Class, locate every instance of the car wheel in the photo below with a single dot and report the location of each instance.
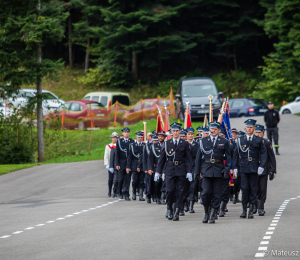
(125, 123)
(286, 111)
(242, 115)
(80, 125)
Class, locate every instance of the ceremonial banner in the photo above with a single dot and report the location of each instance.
(226, 123)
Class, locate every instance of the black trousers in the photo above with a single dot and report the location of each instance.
(175, 187)
(123, 182)
(237, 184)
(146, 181)
(115, 181)
(211, 191)
(262, 187)
(138, 180)
(249, 187)
(225, 191)
(272, 133)
(193, 189)
(151, 186)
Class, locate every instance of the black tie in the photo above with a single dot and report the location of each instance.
(213, 141)
(175, 143)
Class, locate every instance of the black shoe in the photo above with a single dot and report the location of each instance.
(176, 215)
(141, 197)
(250, 212)
(162, 200)
(277, 152)
(148, 199)
(226, 210)
(261, 211)
(181, 212)
(205, 219)
(186, 207)
(109, 194)
(191, 208)
(169, 212)
(127, 198)
(113, 195)
(235, 198)
(133, 195)
(255, 207)
(244, 213)
(121, 197)
(213, 213)
(222, 209)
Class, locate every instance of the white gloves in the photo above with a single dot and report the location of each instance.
(189, 176)
(156, 176)
(107, 167)
(260, 170)
(235, 172)
(111, 170)
(163, 177)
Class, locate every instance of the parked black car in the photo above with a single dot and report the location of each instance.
(196, 91)
(242, 107)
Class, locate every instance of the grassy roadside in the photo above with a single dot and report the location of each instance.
(73, 146)
(6, 168)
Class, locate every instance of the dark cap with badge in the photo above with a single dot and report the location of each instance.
(206, 130)
(139, 134)
(162, 132)
(270, 102)
(241, 133)
(250, 122)
(176, 126)
(154, 137)
(222, 133)
(126, 129)
(233, 130)
(198, 136)
(214, 125)
(190, 130)
(182, 133)
(200, 128)
(259, 128)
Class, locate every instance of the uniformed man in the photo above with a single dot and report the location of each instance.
(237, 182)
(251, 155)
(107, 154)
(272, 119)
(193, 185)
(210, 165)
(270, 170)
(134, 165)
(121, 162)
(112, 165)
(205, 132)
(154, 154)
(176, 154)
(182, 134)
(200, 130)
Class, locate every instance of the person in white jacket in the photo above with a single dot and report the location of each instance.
(114, 137)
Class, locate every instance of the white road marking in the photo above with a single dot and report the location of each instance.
(275, 221)
(271, 228)
(273, 225)
(267, 237)
(276, 217)
(269, 233)
(67, 216)
(260, 254)
(17, 232)
(262, 248)
(264, 242)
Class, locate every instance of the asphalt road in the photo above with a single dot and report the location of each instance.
(61, 211)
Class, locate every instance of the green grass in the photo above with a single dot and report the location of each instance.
(6, 168)
(72, 146)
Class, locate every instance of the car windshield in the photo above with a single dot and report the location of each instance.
(22, 93)
(95, 106)
(47, 96)
(256, 102)
(199, 90)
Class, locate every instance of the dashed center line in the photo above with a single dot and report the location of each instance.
(273, 224)
(67, 216)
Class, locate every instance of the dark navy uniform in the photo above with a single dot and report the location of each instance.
(178, 160)
(154, 155)
(134, 162)
(250, 155)
(149, 191)
(210, 163)
(121, 160)
(112, 165)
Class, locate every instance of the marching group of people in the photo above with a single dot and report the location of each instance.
(188, 167)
